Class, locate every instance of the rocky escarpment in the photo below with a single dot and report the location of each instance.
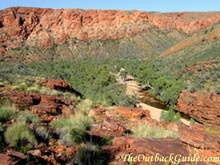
(204, 107)
(43, 27)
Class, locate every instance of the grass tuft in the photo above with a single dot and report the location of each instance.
(28, 117)
(6, 113)
(42, 132)
(72, 130)
(19, 135)
(145, 130)
(85, 106)
(20, 87)
(91, 154)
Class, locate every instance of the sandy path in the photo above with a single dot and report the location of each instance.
(133, 88)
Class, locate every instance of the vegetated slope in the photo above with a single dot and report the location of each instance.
(196, 59)
(78, 33)
(148, 44)
(210, 34)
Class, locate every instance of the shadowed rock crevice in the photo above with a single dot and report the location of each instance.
(21, 21)
(1, 25)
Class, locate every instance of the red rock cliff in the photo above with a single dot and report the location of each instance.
(205, 107)
(43, 27)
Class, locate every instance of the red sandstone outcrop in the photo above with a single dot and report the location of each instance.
(5, 159)
(22, 99)
(147, 147)
(46, 106)
(204, 107)
(58, 84)
(200, 136)
(134, 114)
(43, 27)
(12, 157)
(194, 140)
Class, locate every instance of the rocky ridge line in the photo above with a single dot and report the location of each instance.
(21, 26)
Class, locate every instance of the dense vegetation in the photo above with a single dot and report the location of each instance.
(198, 60)
(94, 79)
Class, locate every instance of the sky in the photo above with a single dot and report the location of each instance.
(143, 5)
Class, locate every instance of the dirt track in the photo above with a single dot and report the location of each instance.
(133, 87)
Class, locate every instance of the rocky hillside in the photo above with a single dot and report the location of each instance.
(58, 128)
(149, 32)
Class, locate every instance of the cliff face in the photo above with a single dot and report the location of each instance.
(204, 107)
(43, 27)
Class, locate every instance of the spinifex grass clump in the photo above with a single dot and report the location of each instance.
(6, 113)
(72, 130)
(85, 106)
(42, 133)
(145, 130)
(20, 87)
(91, 154)
(20, 136)
(28, 117)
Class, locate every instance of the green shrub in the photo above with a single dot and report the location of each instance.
(91, 155)
(215, 78)
(171, 115)
(128, 101)
(20, 136)
(123, 74)
(72, 130)
(171, 92)
(28, 117)
(193, 89)
(115, 69)
(145, 130)
(192, 121)
(6, 113)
